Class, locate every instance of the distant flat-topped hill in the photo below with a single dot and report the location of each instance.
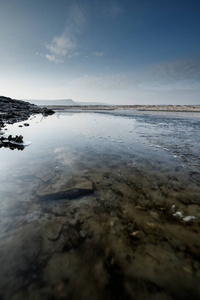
(63, 102)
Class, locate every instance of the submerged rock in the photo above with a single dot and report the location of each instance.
(67, 191)
(68, 194)
(47, 111)
(57, 189)
(53, 228)
(189, 218)
(178, 214)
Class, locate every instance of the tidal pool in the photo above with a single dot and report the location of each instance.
(101, 206)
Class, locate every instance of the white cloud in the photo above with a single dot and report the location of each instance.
(60, 47)
(65, 45)
(53, 58)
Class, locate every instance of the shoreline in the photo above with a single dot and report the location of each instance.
(165, 108)
(13, 111)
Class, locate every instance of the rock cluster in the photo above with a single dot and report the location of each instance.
(12, 142)
(12, 111)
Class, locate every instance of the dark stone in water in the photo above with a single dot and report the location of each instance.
(12, 142)
(47, 111)
(68, 194)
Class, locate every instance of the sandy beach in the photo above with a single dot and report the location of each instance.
(175, 108)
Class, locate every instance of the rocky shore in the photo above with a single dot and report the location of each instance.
(12, 111)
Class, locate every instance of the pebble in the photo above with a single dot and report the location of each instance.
(173, 208)
(189, 218)
(178, 214)
(83, 234)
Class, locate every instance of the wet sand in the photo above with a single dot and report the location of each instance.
(129, 237)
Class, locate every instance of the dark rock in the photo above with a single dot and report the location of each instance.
(68, 194)
(46, 111)
(12, 142)
(53, 227)
(19, 139)
(12, 111)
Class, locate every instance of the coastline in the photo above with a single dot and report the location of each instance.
(170, 108)
(13, 111)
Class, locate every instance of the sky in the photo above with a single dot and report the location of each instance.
(108, 51)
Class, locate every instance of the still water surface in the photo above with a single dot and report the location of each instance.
(122, 236)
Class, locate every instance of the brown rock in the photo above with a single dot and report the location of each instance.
(52, 229)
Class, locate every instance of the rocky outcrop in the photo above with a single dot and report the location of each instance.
(12, 111)
(12, 142)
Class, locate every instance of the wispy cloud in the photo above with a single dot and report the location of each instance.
(113, 82)
(171, 71)
(75, 54)
(59, 47)
(181, 76)
(53, 58)
(65, 45)
(77, 19)
(110, 8)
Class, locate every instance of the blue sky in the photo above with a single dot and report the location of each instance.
(119, 52)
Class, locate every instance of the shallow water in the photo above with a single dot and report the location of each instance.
(122, 235)
(176, 132)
